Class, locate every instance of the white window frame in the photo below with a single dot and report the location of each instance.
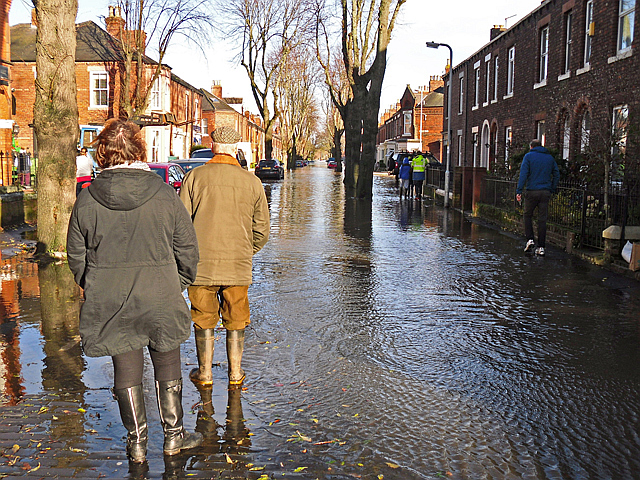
(155, 100)
(626, 15)
(544, 54)
(459, 150)
(620, 119)
(585, 131)
(587, 33)
(95, 89)
(568, 40)
(487, 94)
(508, 138)
(566, 137)
(511, 70)
(495, 79)
(541, 131)
(461, 105)
(475, 148)
(155, 145)
(476, 97)
(407, 123)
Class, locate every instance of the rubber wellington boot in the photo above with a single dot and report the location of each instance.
(134, 418)
(176, 438)
(204, 349)
(235, 347)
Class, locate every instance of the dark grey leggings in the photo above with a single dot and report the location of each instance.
(128, 367)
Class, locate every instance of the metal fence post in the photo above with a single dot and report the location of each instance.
(583, 220)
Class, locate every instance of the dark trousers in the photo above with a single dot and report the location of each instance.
(128, 367)
(536, 199)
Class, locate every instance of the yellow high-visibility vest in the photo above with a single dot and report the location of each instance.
(418, 163)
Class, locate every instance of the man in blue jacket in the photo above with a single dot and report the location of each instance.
(539, 171)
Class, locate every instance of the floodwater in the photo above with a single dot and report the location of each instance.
(388, 340)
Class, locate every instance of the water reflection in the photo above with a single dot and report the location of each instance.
(19, 280)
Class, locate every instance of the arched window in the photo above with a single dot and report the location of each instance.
(485, 146)
(585, 131)
(566, 137)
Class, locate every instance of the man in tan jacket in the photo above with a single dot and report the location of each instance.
(230, 214)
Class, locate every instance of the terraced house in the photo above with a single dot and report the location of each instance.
(566, 74)
(174, 106)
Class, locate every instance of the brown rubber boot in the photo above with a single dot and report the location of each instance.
(202, 375)
(235, 347)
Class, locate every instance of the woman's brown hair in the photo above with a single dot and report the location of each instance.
(119, 142)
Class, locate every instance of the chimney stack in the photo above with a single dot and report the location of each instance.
(115, 23)
(497, 30)
(216, 89)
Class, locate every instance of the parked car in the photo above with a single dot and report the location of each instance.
(299, 163)
(171, 173)
(206, 154)
(331, 163)
(190, 164)
(269, 169)
(202, 153)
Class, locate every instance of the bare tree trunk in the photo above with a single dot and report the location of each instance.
(55, 115)
(337, 147)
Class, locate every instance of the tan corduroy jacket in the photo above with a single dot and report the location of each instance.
(230, 214)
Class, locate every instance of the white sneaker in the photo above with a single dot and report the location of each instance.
(529, 246)
(540, 251)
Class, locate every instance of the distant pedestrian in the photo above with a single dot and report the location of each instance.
(405, 177)
(84, 170)
(132, 248)
(229, 210)
(418, 164)
(539, 172)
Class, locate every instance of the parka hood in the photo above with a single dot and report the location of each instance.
(125, 188)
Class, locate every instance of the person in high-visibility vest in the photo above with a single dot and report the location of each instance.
(418, 163)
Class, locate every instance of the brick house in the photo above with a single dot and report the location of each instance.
(566, 73)
(219, 111)
(99, 71)
(6, 97)
(415, 123)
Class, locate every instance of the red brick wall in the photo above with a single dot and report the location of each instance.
(5, 90)
(607, 83)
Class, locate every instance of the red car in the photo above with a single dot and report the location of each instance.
(171, 173)
(331, 163)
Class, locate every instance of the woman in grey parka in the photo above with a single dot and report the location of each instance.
(132, 248)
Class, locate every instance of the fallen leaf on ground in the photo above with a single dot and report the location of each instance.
(300, 469)
(229, 459)
(393, 465)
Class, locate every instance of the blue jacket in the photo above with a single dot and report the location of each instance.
(405, 171)
(539, 171)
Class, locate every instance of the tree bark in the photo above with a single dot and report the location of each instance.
(55, 118)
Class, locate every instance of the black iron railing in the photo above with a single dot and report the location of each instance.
(575, 207)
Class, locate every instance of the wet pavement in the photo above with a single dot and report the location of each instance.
(393, 340)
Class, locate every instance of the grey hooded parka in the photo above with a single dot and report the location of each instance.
(132, 248)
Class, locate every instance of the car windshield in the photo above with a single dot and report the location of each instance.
(186, 166)
(202, 153)
(159, 171)
(268, 163)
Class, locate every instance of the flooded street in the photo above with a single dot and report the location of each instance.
(388, 340)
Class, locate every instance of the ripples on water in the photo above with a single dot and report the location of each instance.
(434, 343)
(406, 336)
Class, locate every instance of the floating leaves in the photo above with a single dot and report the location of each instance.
(298, 437)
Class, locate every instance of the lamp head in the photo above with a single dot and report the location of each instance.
(432, 45)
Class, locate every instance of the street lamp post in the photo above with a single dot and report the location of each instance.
(447, 172)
